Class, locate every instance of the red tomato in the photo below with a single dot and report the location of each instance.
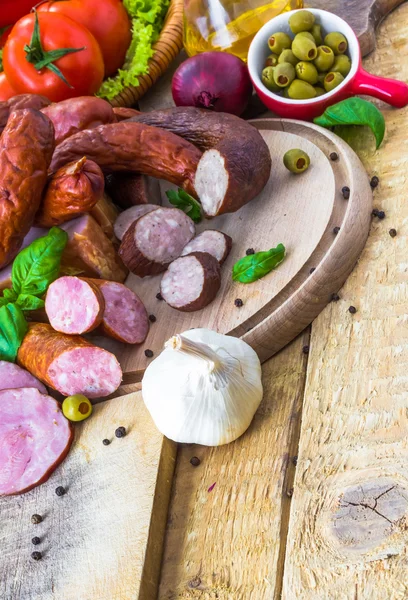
(12, 10)
(106, 19)
(83, 70)
(6, 91)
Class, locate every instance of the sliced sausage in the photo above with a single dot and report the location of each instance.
(69, 363)
(191, 282)
(12, 376)
(74, 305)
(128, 146)
(129, 189)
(19, 102)
(127, 217)
(35, 437)
(125, 317)
(216, 243)
(32, 235)
(26, 147)
(77, 114)
(105, 214)
(89, 252)
(153, 241)
(72, 191)
(122, 113)
(236, 163)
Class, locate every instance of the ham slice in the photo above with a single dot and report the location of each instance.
(12, 376)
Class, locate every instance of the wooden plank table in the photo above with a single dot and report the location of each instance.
(312, 502)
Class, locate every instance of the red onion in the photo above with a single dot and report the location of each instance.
(214, 80)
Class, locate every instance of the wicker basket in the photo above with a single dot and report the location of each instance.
(166, 49)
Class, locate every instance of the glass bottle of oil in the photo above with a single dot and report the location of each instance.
(228, 25)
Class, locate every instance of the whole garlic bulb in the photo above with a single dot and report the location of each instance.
(204, 388)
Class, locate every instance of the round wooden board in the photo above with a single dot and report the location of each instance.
(299, 211)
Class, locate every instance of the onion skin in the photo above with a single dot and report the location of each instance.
(214, 80)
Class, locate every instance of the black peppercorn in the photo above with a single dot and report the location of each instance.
(35, 519)
(312, 270)
(149, 353)
(346, 192)
(36, 540)
(336, 230)
(120, 432)
(195, 461)
(335, 298)
(295, 460)
(334, 156)
(106, 442)
(159, 296)
(238, 302)
(36, 555)
(374, 212)
(381, 214)
(374, 181)
(60, 491)
(352, 310)
(392, 232)
(250, 251)
(305, 349)
(152, 319)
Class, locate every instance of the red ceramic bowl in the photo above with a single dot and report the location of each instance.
(357, 81)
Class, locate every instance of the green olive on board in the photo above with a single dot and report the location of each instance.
(288, 56)
(268, 80)
(76, 407)
(332, 80)
(303, 48)
(296, 161)
(342, 64)
(324, 59)
(336, 41)
(301, 90)
(278, 42)
(301, 20)
(284, 74)
(306, 71)
(272, 60)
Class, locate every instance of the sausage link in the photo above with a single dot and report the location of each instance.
(19, 102)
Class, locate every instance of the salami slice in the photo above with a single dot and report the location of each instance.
(153, 241)
(125, 317)
(35, 437)
(69, 363)
(191, 282)
(127, 217)
(74, 305)
(12, 377)
(216, 243)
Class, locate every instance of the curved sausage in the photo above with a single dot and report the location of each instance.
(77, 114)
(153, 241)
(130, 189)
(74, 306)
(35, 437)
(236, 164)
(69, 363)
(128, 146)
(19, 102)
(127, 217)
(12, 376)
(26, 147)
(216, 243)
(72, 191)
(191, 282)
(125, 317)
(122, 113)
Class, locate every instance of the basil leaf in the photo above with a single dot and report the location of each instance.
(13, 328)
(10, 295)
(38, 265)
(185, 202)
(253, 267)
(29, 302)
(3, 301)
(354, 111)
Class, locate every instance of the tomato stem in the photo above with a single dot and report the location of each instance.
(36, 55)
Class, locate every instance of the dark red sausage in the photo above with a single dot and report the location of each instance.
(212, 241)
(19, 102)
(129, 216)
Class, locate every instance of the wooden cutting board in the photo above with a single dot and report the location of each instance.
(301, 211)
(103, 539)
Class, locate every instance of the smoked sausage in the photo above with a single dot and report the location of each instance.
(26, 148)
(122, 113)
(130, 189)
(72, 191)
(212, 241)
(19, 102)
(127, 217)
(105, 214)
(68, 363)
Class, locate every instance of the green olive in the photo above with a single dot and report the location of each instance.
(316, 32)
(306, 71)
(288, 56)
(307, 34)
(286, 92)
(324, 58)
(320, 78)
(332, 80)
(342, 64)
(296, 161)
(268, 80)
(303, 48)
(77, 407)
(284, 74)
(301, 90)
(336, 41)
(278, 42)
(301, 20)
(272, 60)
(319, 90)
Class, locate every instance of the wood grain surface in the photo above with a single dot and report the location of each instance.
(102, 540)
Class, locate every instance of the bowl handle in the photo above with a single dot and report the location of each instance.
(392, 91)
